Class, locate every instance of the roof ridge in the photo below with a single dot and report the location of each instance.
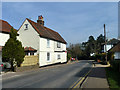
(46, 32)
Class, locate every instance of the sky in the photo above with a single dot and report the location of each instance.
(75, 21)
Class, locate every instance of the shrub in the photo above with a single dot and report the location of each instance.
(68, 56)
(115, 64)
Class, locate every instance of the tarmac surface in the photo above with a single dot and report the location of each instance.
(96, 78)
(61, 76)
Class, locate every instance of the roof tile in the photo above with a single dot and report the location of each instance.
(46, 32)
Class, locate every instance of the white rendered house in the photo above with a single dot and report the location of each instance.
(50, 46)
(5, 28)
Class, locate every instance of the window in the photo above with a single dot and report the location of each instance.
(31, 53)
(58, 45)
(26, 26)
(48, 56)
(48, 43)
(58, 57)
(26, 53)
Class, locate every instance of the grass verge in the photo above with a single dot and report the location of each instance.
(113, 78)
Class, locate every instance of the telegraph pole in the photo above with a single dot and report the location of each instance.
(105, 43)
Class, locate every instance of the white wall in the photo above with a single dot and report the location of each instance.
(3, 38)
(29, 38)
(117, 55)
(108, 47)
(43, 45)
(53, 55)
(63, 46)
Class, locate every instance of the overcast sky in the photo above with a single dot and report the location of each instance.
(75, 21)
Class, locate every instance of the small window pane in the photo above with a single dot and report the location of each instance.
(48, 56)
(58, 45)
(48, 43)
(58, 57)
(26, 26)
(31, 53)
(26, 53)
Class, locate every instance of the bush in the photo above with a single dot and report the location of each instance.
(115, 64)
(68, 57)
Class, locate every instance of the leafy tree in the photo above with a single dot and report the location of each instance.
(13, 51)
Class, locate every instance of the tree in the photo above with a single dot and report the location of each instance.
(91, 44)
(100, 40)
(13, 51)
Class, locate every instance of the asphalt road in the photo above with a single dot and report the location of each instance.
(63, 76)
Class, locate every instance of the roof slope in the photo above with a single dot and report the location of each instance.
(5, 26)
(46, 32)
(116, 48)
(29, 49)
(112, 41)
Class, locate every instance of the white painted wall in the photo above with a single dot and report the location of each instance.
(108, 47)
(3, 38)
(117, 55)
(29, 38)
(53, 55)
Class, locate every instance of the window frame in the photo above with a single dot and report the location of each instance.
(58, 45)
(48, 43)
(26, 27)
(58, 57)
(31, 53)
(48, 56)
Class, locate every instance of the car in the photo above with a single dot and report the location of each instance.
(5, 66)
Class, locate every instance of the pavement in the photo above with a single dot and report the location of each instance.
(96, 78)
(64, 76)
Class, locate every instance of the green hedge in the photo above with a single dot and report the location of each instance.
(115, 64)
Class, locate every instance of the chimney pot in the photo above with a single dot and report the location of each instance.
(40, 20)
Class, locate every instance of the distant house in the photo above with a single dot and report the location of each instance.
(111, 43)
(116, 50)
(43, 42)
(5, 28)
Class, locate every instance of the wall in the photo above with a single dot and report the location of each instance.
(29, 38)
(30, 60)
(117, 55)
(3, 38)
(53, 55)
(108, 47)
(63, 46)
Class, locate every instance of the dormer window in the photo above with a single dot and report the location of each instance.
(26, 26)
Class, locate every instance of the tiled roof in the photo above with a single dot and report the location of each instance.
(112, 41)
(116, 48)
(46, 32)
(5, 26)
(29, 49)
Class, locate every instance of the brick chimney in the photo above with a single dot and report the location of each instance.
(40, 20)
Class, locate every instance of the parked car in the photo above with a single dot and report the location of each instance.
(72, 59)
(5, 66)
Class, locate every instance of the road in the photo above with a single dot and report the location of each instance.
(63, 76)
